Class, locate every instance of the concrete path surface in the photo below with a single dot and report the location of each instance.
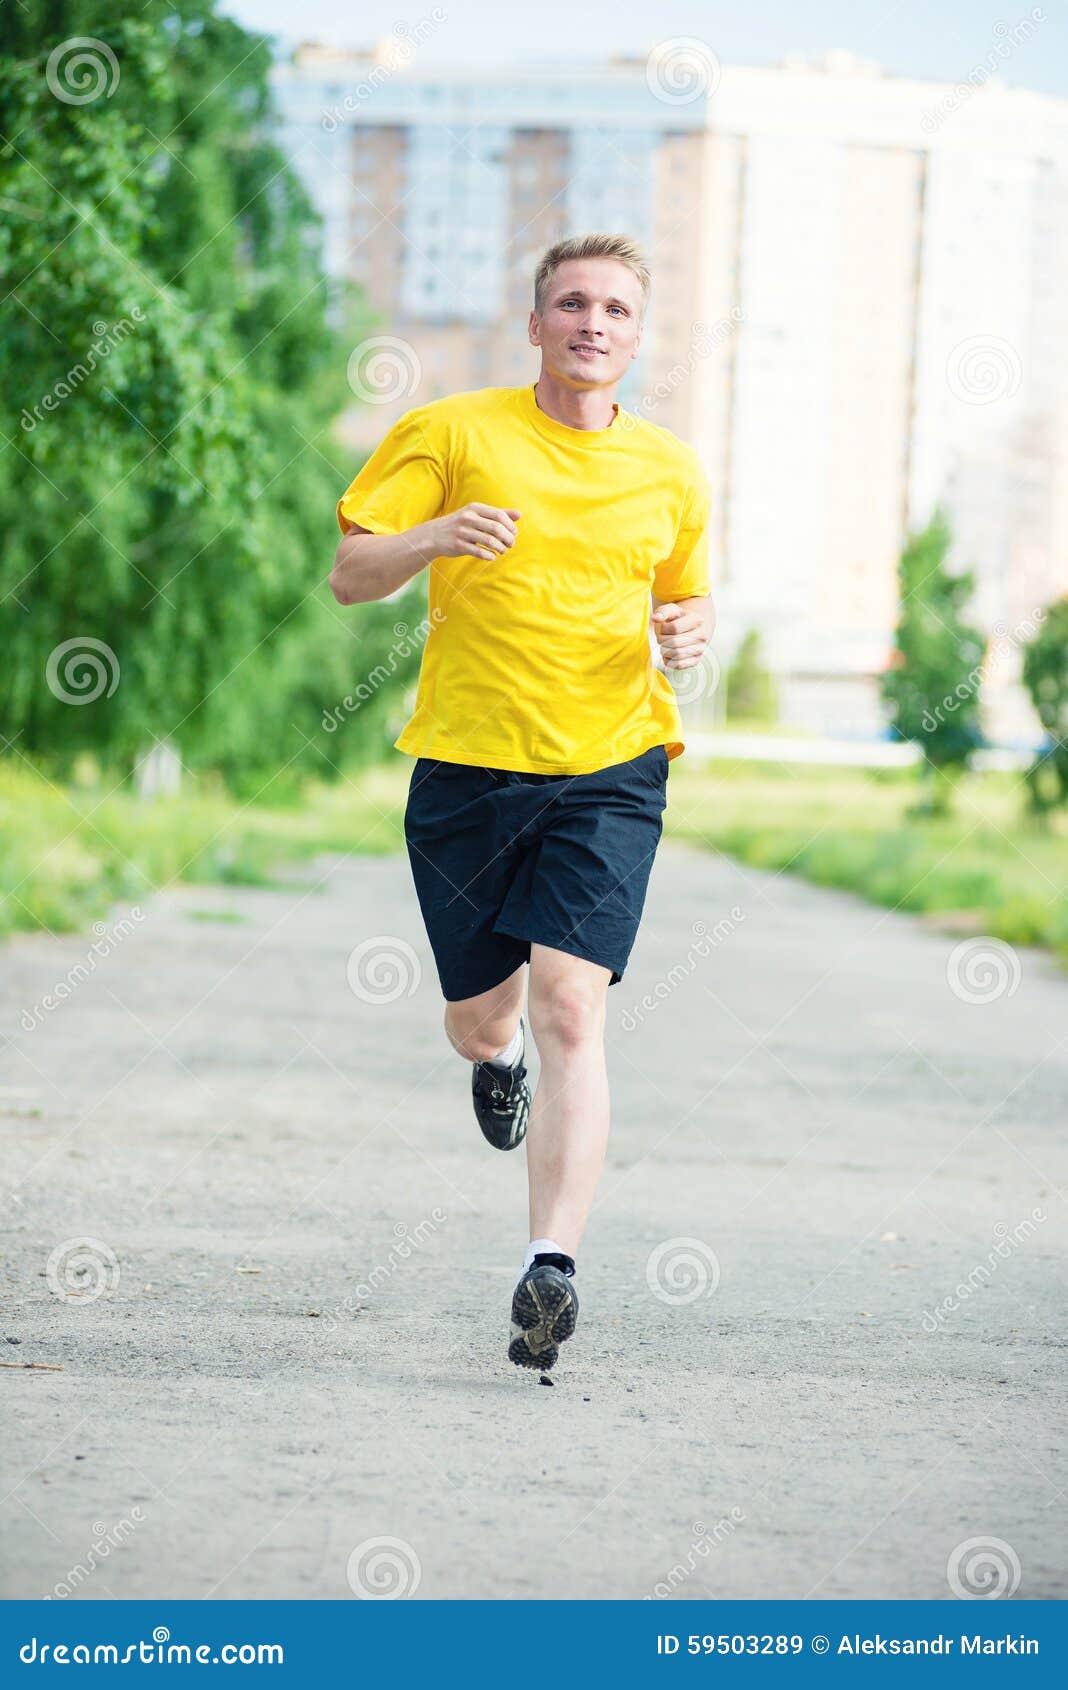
(252, 1225)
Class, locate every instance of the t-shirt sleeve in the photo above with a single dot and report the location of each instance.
(685, 573)
(402, 484)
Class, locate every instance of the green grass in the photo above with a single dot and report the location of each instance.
(215, 915)
(987, 868)
(67, 853)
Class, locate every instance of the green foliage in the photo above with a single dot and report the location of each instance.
(751, 694)
(166, 488)
(932, 686)
(984, 871)
(68, 852)
(1045, 675)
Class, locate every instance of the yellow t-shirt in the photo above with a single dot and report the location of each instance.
(540, 660)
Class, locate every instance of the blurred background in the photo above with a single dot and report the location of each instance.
(233, 257)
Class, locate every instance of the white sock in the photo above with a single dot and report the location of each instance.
(509, 1056)
(542, 1247)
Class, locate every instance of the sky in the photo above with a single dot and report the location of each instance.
(939, 40)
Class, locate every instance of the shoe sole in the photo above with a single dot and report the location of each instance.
(544, 1315)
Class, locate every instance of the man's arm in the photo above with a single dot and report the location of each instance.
(683, 628)
(370, 566)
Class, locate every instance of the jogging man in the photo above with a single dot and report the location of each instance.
(557, 528)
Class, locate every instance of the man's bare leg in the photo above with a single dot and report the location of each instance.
(568, 1130)
(478, 1027)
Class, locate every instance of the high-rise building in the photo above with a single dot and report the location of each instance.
(859, 310)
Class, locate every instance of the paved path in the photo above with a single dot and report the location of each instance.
(845, 1141)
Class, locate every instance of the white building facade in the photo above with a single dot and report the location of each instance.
(859, 312)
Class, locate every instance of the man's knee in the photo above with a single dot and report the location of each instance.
(478, 1044)
(477, 1028)
(567, 1009)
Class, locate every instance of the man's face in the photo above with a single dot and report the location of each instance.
(591, 326)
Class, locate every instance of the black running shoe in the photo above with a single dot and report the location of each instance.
(544, 1311)
(501, 1098)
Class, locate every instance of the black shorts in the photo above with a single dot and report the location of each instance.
(504, 859)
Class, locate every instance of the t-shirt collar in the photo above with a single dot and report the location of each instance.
(579, 437)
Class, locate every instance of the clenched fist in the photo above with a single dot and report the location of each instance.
(681, 633)
(475, 531)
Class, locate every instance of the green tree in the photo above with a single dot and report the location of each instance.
(1045, 675)
(167, 489)
(932, 686)
(751, 694)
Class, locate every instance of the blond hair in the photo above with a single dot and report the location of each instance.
(619, 247)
